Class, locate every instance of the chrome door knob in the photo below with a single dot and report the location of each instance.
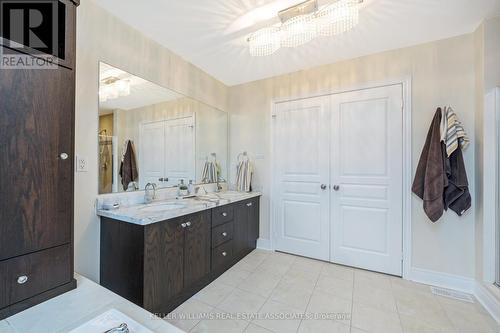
(224, 234)
(224, 254)
(183, 225)
(323, 186)
(63, 156)
(22, 279)
(336, 187)
(224, 214)
(188, 224)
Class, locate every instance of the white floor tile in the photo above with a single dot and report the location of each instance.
(338, 272)
(322, 326)
(233, 276)
(225, 325)
(214, 293)
(279, 318)
(260, 284)
(293, 293)
(375, 321)
(414, 325)
(189, 313)
(383, 299)
(240, 301)
(336, 287)
(252, 328)
(336, 308)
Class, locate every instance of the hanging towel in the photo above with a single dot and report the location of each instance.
(452, 132)
(128, 167)
(456, 193)
(430, 177)
(244, 172)
(209, 174)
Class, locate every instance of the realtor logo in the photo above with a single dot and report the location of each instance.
(30, 27)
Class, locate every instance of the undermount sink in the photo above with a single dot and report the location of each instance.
(163, 207)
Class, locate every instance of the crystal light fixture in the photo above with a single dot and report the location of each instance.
(112, 88)
(337, 18)
(264, 42)
(304, 22)
(298, 31)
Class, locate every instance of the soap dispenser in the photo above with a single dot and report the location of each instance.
(183, 189)
(190, 187)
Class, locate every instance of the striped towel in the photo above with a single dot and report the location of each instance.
(452, 131)
(209, 174)
(244, 172)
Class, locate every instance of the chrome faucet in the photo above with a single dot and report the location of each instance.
(150, 192)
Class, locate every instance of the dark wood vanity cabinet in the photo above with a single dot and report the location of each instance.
(155, 265)
(161, 265)
(36, 177)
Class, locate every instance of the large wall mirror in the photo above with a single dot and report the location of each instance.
(150, 134)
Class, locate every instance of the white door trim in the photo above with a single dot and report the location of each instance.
(407, 159)
(490, 186)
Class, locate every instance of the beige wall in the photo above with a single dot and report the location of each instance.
(102, 37)
(443, 73)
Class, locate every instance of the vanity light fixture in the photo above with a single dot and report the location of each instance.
(113, 87)
(304, 22)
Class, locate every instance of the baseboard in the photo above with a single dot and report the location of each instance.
(489, 301)
(443, 280)
(264, 244)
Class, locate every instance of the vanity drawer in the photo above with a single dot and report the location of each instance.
(222, 255)
(222, 215)
(32, 274)
(222, 233)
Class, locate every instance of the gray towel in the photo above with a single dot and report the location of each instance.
(209, 174)
(244, 172)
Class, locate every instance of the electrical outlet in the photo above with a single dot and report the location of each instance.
(81, 164)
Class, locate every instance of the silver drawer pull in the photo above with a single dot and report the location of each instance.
(224, 234)
(224, 214)
(22, 279)
(183, 225)
(63, 156)
(224, 254)
(188, 224)
(249, 204)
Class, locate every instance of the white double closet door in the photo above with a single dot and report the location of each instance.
(167, 152)
(338, 178)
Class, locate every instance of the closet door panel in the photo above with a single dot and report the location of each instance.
(36, 185)
(152, 154)
(180, 150)
(366, 171)
(301, 160)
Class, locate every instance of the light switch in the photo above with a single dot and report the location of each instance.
(81, 164)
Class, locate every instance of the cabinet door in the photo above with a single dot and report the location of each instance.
(240, 236)
(163, 264)
(197, 247)
(253, 222)
(36, 185)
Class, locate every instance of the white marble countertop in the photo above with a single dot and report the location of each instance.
(144, 214)
(74, 308)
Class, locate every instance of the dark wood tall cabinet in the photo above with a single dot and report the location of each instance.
(36, 178)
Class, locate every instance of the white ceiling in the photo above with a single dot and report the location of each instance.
(211, 33)
(142, 92)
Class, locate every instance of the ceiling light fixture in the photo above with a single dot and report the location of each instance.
(112, 88)
(304, 22)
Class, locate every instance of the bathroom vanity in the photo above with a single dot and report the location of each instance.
(161, 254)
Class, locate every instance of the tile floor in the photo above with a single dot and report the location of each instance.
(273, 292)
